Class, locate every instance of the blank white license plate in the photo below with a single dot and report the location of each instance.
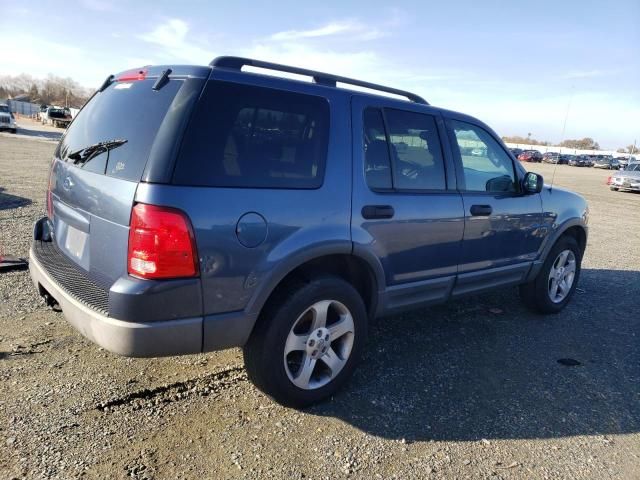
(76, 240)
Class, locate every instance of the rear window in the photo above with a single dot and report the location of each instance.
(130, 111)
(248, 136)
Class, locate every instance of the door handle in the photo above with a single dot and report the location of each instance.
(377, 211)
(481, 210)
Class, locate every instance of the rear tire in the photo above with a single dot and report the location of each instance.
(300, 351)
(613, 189)
(556, 281)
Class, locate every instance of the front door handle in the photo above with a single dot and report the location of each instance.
(377, 211)
(481, 210)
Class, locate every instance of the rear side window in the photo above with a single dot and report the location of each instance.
(130, 111)
(377, 166)
(402, 151)
(415, 146)
(248, 136)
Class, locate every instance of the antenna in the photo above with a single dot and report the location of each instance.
(564, 127)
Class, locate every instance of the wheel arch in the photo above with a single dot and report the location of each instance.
(574, 227)
(364, 273)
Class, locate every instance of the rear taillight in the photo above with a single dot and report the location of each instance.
(161, 243)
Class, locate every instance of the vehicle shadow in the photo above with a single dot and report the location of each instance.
(486, 368)
(8, 201)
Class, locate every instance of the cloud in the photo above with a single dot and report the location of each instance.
(349, 28)
(171, 37)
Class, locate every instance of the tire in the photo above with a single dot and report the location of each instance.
(614, 189)
(289, 315)
(14, 131)
(537, 294)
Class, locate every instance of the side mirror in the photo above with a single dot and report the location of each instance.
(532, 183)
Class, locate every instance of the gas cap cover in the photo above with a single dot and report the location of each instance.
(251, 229)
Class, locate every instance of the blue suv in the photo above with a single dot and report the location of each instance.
(193, 209)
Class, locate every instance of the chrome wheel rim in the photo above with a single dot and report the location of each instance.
(319, 344)
(562, 275)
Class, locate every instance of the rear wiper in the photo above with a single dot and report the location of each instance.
(85, 154)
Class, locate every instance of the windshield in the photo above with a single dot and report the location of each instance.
(130, 111)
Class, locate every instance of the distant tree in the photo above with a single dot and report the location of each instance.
(525, 140)
(51, 91)
(586, 143)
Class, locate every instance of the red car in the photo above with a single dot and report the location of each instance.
(530, 156)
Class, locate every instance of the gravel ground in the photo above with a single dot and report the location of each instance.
(471, 389)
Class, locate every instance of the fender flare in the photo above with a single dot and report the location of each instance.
(551, 240)
(289, 264)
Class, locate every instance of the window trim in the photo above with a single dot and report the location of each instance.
(394, 189)
(457, 158)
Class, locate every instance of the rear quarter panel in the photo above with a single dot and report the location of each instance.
(301, 224)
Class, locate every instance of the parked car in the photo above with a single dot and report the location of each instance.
(565, 158)
(516, 151)
(608, 162)
(551, 157)
(627, 179)
(7, 120)
(580, 161)
(192, 209)
(530, 156)
(624, 161)
(56, 116)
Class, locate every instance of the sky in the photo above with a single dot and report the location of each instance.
(519, 66)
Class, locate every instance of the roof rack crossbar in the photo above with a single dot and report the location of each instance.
(327, 79)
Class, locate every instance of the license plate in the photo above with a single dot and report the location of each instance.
(76, 240)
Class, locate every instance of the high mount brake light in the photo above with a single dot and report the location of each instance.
(161, 243)
(132, 75)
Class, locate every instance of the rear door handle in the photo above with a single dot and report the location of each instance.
(377, 211)
(481, 210)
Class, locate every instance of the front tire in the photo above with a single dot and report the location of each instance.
(307, 341)
(556, 281)
(614, 189)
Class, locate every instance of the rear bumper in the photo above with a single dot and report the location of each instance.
(145, 339)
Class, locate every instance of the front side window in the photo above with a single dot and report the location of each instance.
(486, 166)
(248, 136)
(406, 143)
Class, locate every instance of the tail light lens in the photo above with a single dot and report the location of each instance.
(161, 243)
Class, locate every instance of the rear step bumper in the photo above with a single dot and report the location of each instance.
(148, 339)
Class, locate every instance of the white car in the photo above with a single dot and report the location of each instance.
(7, 121)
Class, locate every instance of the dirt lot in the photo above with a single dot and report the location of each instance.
(467, 390)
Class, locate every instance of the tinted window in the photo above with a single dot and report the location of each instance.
(486, 166)
(247, 136)
(376, 151)
(415, 150)
(131, 111)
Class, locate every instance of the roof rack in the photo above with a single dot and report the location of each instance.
(326, 79)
